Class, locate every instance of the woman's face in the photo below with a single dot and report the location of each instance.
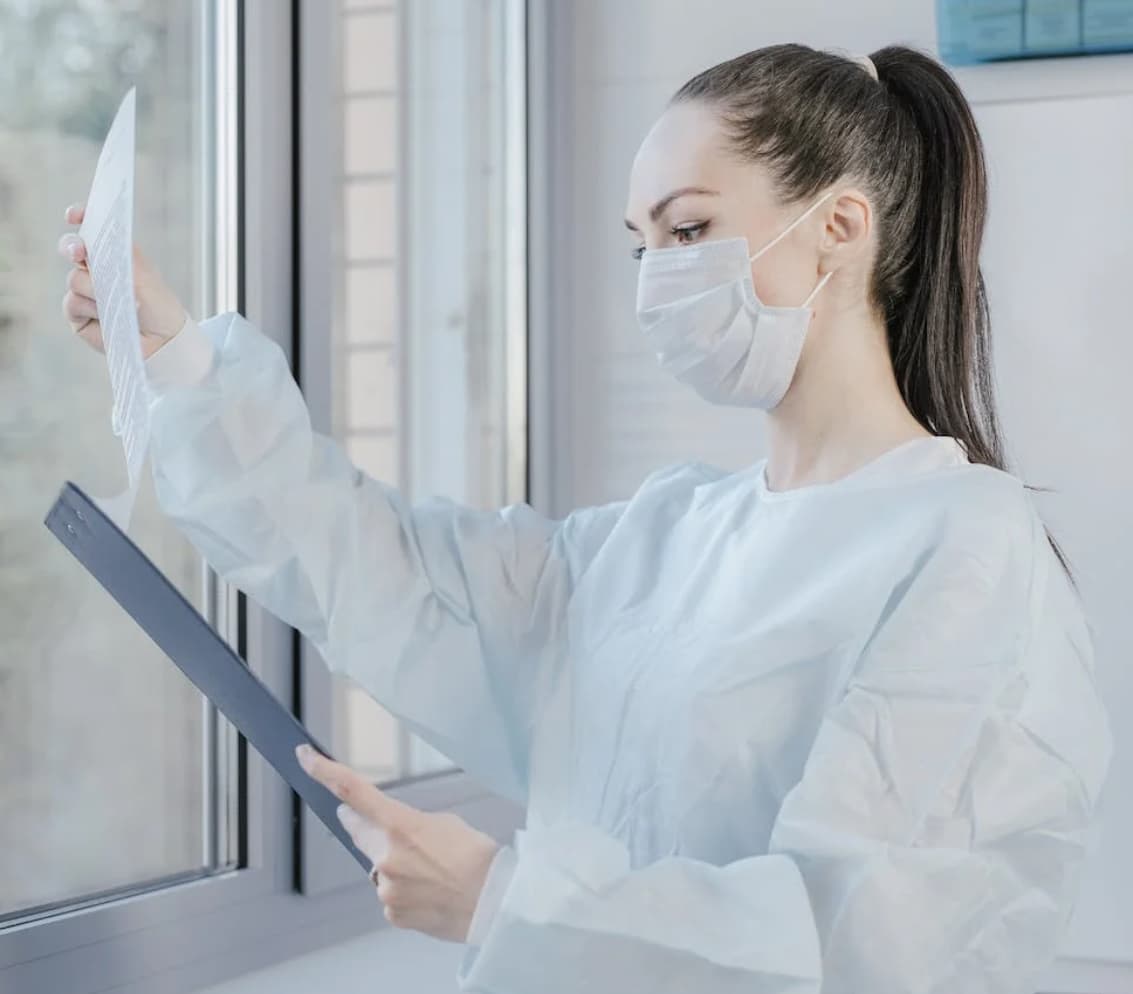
(687, 186)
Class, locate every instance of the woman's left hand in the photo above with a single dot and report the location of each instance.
(429, 868)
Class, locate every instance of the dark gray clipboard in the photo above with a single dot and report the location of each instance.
(161, 611)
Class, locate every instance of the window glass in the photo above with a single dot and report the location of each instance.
(419, 350)
(103, 779)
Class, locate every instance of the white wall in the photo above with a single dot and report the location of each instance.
(1059, 251)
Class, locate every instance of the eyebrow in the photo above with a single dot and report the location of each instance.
(666, 201)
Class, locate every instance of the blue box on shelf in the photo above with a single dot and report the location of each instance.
(975, 31)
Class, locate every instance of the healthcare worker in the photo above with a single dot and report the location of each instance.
(828, 723)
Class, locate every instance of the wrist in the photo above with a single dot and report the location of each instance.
(183, 359)
(491, 899)
(163, 330)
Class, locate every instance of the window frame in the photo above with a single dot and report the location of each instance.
(295, 891)
(129, 938)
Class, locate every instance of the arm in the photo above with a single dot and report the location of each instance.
(450, 617)
(931, 846)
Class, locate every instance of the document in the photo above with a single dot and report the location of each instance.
(108, 231)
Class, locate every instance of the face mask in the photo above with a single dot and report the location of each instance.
(698, 308)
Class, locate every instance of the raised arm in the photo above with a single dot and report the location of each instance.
(452, 618)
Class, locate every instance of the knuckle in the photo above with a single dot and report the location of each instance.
(403, 833)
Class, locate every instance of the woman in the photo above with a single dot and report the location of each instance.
(825, 724)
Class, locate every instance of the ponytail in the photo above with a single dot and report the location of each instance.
(937, 319)
(935, 306)
(908, 135)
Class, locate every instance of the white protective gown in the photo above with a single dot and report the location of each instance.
(843, 739)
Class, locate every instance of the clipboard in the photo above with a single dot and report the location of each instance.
(164, 614)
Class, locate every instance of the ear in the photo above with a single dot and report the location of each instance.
(849, 224)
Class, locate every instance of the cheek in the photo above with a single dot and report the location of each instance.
(783, 281)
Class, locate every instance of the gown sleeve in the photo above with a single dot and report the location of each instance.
(453, 618)
(932, 845)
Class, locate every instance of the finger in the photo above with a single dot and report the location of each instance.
(91, 333)
(394, 902)
(78, 310)
(75, 214)
(367, 836)
(79, 281)
(351, 787)
(71, 247)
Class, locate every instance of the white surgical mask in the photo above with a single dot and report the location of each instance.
(698, 308)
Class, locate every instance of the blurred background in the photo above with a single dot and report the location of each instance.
(422, 202)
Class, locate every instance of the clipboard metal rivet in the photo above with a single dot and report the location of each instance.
(71, 529)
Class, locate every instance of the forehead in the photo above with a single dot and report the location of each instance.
(686, 147)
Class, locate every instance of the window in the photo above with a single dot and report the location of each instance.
(413, 241)
(143, 846)
(367, 366)
(422, 337)
(109, 762)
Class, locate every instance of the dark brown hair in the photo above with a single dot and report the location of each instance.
(909, 138)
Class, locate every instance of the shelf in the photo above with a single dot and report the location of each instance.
(1047, 79)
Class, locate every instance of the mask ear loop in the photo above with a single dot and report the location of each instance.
(787, 230)
(794, 224)
(814, 293)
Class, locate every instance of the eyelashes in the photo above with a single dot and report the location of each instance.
(685, 234)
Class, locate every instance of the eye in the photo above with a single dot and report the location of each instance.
(685, 234)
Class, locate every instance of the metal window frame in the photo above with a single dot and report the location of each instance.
(177, 936)
(221, 162)
(550, 235)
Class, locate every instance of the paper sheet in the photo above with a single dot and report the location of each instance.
(108, 231)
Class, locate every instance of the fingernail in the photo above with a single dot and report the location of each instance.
(303, 753)
(73, 251)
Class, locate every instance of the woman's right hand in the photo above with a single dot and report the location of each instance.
(160, 314)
